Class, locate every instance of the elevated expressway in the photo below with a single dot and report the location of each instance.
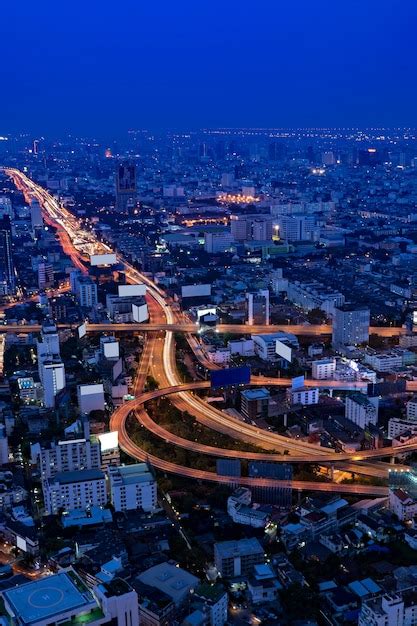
(159, 358)
(182, 327)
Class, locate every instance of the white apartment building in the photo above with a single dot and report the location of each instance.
(398, 426)
(52, 375)
(74, 490)
(350, 325)
(265, 345)
(314, 295)
(66, 456)
(361, 410)
(304, 395)
(402, 504)
(278, 282)
(240, 510)
(48, 346)
(296, 227)
(396, 608)
(238, 558)
(86, 292)
(132, 487)
(121, 309)
(323, 369)
(384, 361)
(243, 347)
(219, 356)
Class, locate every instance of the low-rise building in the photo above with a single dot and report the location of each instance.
(238, 558)
(304, 395)
(263, 585)
(323, 369)
(174, 581)
(402, 504)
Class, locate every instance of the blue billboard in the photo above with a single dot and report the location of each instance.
(228, 467)
(230, 376)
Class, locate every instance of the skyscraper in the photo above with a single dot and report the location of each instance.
(36, 219)
(350, 325)
(125, 186)
(6, 256)
(258, 307)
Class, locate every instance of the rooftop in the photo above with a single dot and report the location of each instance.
(230, 549)
(79, 476)
(131, 474)
(86, 517)
(256, 394)
(360, 398)
(44, 599)
(170, 579)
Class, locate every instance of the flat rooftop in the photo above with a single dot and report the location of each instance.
(231, 549)
(131, 474)
(256, 394)
(44, 599)
(172, 580)
(79, 476)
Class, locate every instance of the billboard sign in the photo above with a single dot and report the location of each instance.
(103, 259)
(131, 290)
(195, 291)
(283, 350)
(297, 383)
(140, 313)
(230, 376)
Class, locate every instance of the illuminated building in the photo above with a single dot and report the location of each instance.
(125, 186)
(6, 256)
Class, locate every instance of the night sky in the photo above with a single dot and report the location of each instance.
(101, 67)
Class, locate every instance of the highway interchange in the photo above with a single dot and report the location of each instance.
(158, 359)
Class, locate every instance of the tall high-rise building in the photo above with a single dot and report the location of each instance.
(45, 275)
(36, 219)
(6, 207)
(350, 325)
(125, 186)
(52, 375)
(258, 307)
(6, 257)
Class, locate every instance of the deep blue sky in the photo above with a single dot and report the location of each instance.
(102, 66)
